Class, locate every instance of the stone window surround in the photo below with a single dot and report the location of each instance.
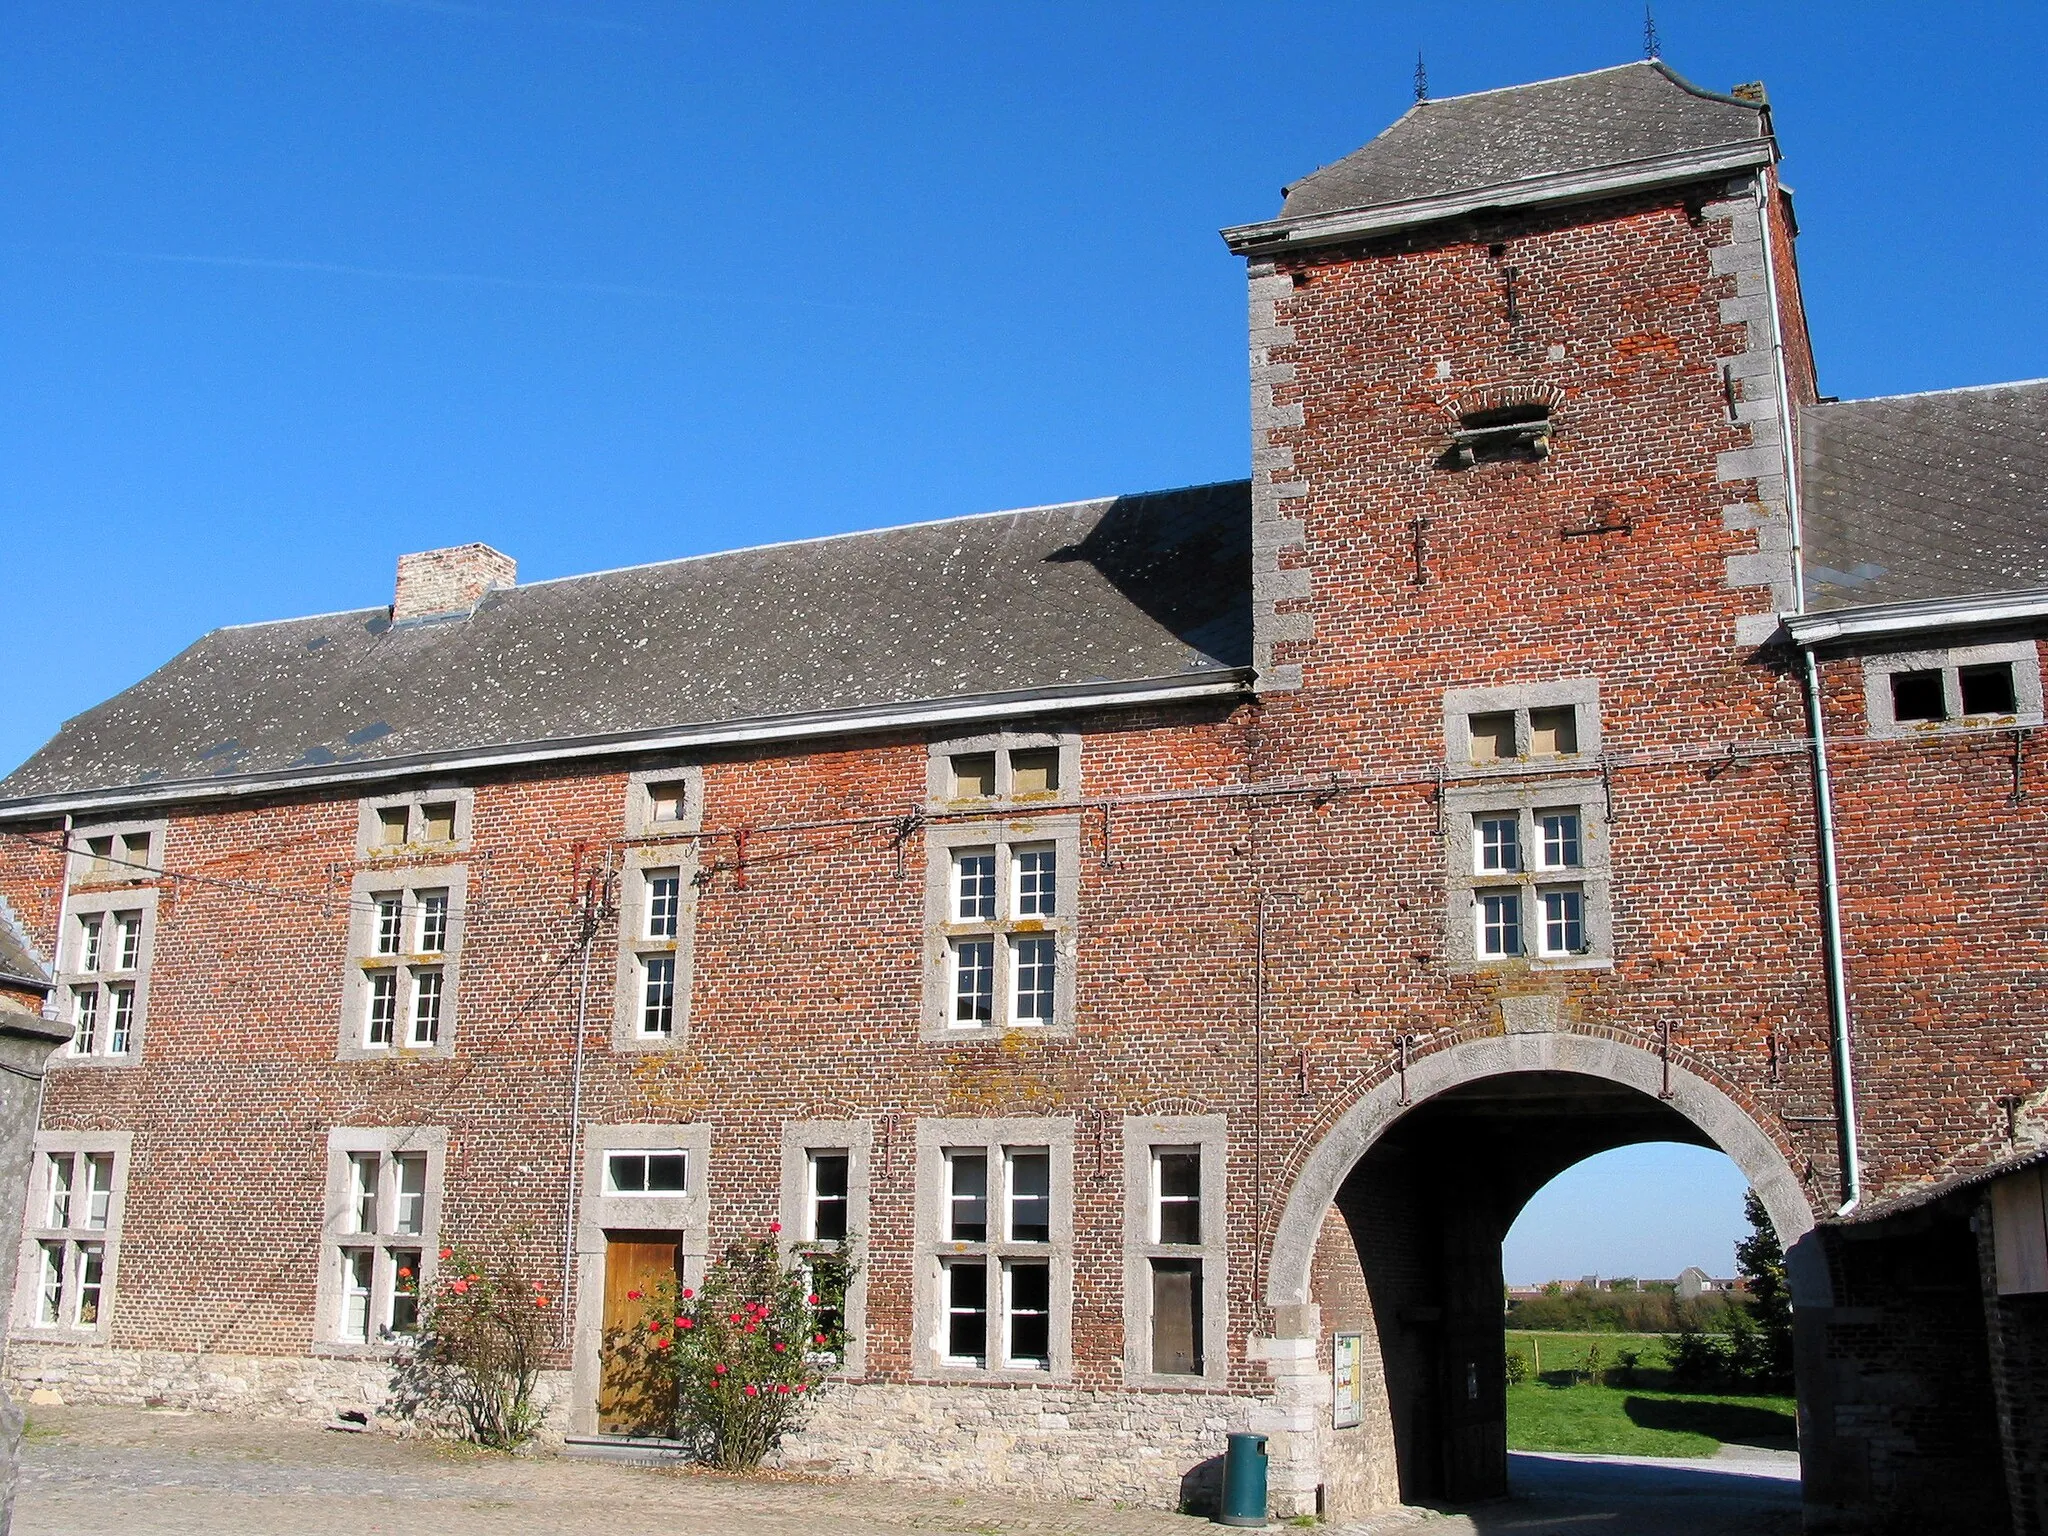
(1462, 878)
(362, 930)
(78, 867)
(687, 1215)
(626, 987)
(2024, 656)
(327, 1291)
(1142, 1133)
(934, 1139)
(368, 826)
(939, 768)
(941, 839)
(102, 902)
(1460, 704)
(639, 808)
(856, 1138)
(28, 1268)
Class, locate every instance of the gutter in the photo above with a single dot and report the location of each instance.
(1916, 616)
(1277, 235)
(1847, 1145)
(1233, 682)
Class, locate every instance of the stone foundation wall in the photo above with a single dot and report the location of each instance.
(1141, 1448)
(262, 1386)
(1148, 1448)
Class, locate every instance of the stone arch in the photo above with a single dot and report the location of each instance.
(1725, 1122)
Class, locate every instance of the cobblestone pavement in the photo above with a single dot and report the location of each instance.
(91, 1471)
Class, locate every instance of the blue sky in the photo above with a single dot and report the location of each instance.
(1647, 1211)
(290, 287)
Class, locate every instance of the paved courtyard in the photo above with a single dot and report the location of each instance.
(90, 1471)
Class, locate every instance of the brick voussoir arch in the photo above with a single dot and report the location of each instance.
(1707, 1104)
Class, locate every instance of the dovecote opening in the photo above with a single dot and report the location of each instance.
(1505, 433)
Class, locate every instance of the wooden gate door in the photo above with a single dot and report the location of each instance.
(633, 1261)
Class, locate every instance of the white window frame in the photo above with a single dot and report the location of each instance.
(71, 1237)
(997, 1141)
(1878, 670)
(347, 1148)
(1011, 934)
(411, 967)
(1144, 1137)
(638, 945)
(106, 979)
(614, 1157)
(1470, 885)
(854, 1138)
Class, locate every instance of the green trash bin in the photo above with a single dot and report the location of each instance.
(1244, 1481)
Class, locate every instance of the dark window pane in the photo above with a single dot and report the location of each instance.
(665, 1173)
(1917, 696)
(967, 1311)
(1030, 1313)
(1987, 690)
(1180, 1196)
(629, 1174)
(1030, 1197)
(1177, 1317)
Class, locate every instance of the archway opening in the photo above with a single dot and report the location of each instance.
(1409, 1263)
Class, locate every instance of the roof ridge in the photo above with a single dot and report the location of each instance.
(748, 549)
(869, 533)
(1922, 394)
(1580, 74)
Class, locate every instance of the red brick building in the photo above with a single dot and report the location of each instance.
(1175, 933)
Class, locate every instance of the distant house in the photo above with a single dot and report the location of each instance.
(1695, 1282)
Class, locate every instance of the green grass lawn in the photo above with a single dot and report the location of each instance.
(1630, 1413)
(1629, 1421)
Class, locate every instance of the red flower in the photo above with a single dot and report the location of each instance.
(735, 1318)
(782, 1391)
(774, 1226)
(688, 1293)
(654, 1325)
(779, 1348)
(812, 1299)
(404, 1273)
(632, 1295)
(459, 1287)
(752, 1390)
(753, 1327)
(476, 1277)
(661, 1343)
(799, 1387)
(719, 1369)
(818, 1338)
(540, 1301)
(686, 1322)
(447, 1253)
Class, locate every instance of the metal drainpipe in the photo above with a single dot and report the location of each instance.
(1848, 1146)
(589, 938)
(53, 1006)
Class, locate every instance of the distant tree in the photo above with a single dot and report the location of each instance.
(1627, 1283)
(1760, 1261)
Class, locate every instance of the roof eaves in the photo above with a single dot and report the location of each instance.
(1220, 682)
(1941, 1189)
(1834, 626)
(1274, 235)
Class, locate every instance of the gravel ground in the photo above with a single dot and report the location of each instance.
(91, 1471)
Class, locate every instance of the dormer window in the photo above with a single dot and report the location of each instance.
(1502, 433)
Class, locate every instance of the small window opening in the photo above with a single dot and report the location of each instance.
(1493, 737)
(1553, 732)
(1035, 772)
(974, 776)
(1918, 696)
(665, 802)
(391, 825)
(1505, 433)
(1987, 689)
(440, 822)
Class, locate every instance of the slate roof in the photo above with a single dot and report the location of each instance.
(1121, 590)
(1925, 496)
(1607, 118)
(18, 962)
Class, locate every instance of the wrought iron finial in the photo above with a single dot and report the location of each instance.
(1653, 48)
(1421, 77)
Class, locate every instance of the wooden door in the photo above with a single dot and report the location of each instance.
(633, 1261)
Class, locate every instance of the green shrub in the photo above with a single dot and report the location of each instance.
(476, 1358)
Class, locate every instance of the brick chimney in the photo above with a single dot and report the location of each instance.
(439, 581)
